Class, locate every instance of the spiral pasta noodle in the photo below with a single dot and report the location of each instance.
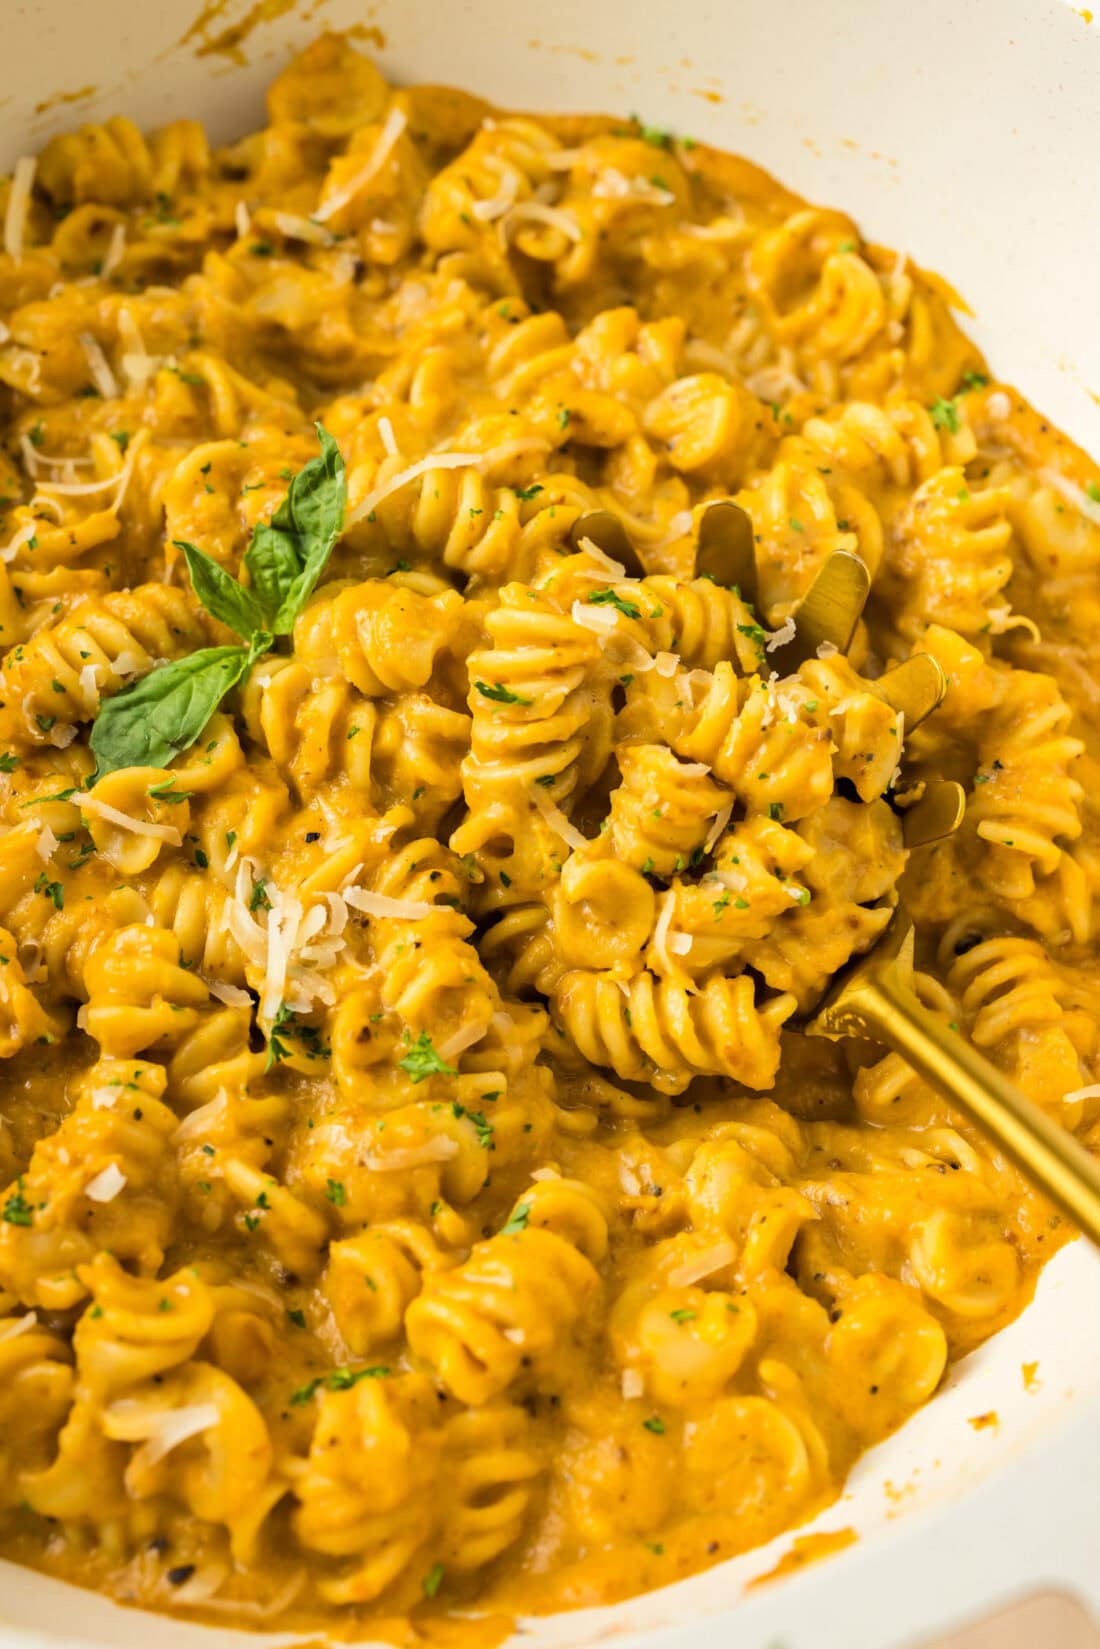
(429, 815)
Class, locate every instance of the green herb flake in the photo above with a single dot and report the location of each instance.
(17, 1210)
(422, 1061)
(612, 598)
(945, 415)
(497, 693)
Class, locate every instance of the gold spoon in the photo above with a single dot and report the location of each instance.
(873, 998)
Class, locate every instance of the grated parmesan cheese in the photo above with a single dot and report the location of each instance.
(614, 569)
(667, 942)
(434, 460)
(442, 461)
(103, 1099)
(242, 217)
(204, 1119)
(102, 376)
(232, 995)
(615, 185)
(270, 1609)
(124, 821)
(463, 1039)
(345, 267)
(496, 205)
(380, 904)
(1091, 1092)
(719, 825)
(298, 228)
(46, 844)
(15, 1326)
(680, 524)
(40, 502)
(779, 638)
(387, 437)
(1070, 491)
(137, 363)
(719, 229)
(562, 160)
(19, 200)
(827, 649)
(392, 127)
(161, 1430)
(116, 246)
(22, 536)
(534, 211)
(199, 1587)
(439, 1149)
(600, 620)
(702, 1264)
(556, 819)
(106, 1186)
(633, 1385)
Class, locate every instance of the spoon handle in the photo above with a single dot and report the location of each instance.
(885, 1009)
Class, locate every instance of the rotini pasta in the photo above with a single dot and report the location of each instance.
(424, 824)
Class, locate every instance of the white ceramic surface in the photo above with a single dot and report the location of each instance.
(966, 132)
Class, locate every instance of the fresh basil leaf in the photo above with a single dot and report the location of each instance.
(155, 718)
(288, 554)
(220, 593)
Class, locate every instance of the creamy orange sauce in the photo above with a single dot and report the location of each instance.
(417, 1195)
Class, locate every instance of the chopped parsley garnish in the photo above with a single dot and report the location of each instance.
(339, 1379)
(655, 1425)
(945, 415)
(499, 694)
(336, 1193)
(17, 1210)
(52, 890)
(422, 1061)
(481, 1123)
(517, 1220)
(527, 493)
(612, 598)
(433, 1580)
